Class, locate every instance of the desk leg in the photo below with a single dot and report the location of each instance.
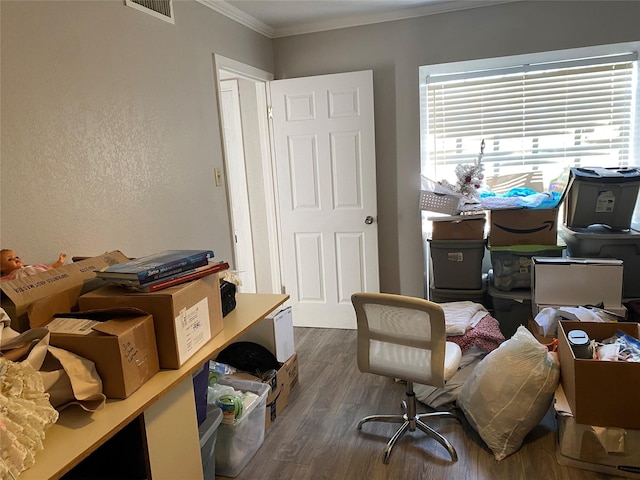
(173, 442)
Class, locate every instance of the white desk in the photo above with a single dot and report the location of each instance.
(166, 402)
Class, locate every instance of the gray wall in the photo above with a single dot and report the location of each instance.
(395, 50)
(110, 129)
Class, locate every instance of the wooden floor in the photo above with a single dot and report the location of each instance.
(316, 436)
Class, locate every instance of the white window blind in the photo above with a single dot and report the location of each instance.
(546, 117)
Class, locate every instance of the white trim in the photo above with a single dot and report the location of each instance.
(262, 77)
(239, 16)
(345, 21)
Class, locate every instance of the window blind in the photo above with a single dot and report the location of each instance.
(546, 116)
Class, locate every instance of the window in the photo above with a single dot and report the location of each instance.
(539, 116)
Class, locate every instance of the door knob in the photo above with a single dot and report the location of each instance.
(368, 220)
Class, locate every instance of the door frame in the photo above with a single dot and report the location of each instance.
(226, 68)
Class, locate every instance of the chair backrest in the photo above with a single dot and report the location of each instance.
(401, 337)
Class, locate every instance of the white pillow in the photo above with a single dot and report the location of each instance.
(510, 391)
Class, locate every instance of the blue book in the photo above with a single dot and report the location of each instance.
(154, 267)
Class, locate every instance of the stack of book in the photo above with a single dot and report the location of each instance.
(162, 270)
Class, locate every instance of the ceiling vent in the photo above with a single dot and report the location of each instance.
(162, 9)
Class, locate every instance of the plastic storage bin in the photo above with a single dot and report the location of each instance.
(512, 265)
(237, 443)
(457, 264)
(600, 242)
(208, 434)
(510, 309)
(602, 196)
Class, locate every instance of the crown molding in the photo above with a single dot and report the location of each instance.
(247, 20)
(239, 16)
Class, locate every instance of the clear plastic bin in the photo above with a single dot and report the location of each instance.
(237, 443)
(208, 434)
(512, 265)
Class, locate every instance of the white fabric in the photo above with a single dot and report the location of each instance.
(461, 316)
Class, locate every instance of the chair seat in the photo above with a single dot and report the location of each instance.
(410, 363)
(452, 357)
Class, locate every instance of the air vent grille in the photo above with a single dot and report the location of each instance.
(162, 9)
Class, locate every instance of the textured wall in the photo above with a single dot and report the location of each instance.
(110, 129)
(395, 51)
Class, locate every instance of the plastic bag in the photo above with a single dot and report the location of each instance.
(510, 391)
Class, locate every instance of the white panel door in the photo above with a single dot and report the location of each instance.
(324, 145)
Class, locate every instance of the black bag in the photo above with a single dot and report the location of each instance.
(228, 296)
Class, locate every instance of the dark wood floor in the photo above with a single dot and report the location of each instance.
(316, 436)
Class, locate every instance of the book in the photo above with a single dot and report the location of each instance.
(154, 267)
(180, 278)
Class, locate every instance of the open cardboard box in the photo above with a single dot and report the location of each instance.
(185, 317)
(573, 282)
(67, 282)
(121, 343)
(600, 393)
(612, 450)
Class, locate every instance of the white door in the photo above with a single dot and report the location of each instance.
(324, 146)
(237, 178)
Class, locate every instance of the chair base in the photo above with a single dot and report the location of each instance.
(411, 421)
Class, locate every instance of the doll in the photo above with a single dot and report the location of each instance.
(12, 267)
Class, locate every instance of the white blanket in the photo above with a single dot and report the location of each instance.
(460, 316)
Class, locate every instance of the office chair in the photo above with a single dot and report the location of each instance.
(405, 337)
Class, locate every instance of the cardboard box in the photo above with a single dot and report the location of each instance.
(615, 451)
(600, 393)
(458, 227)
(281, 385)
(185, 317)
(572, 282)
(67, 282)
(123, 348)
(274, 332)
(537, 332)
(523, 226)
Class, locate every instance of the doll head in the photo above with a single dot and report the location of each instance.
(9, 261)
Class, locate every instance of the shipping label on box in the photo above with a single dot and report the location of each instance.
(123, 348)
(68, 281)
(194, 329)
(185, 316)
(523, 226)
(601, 393)
(573, 282)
